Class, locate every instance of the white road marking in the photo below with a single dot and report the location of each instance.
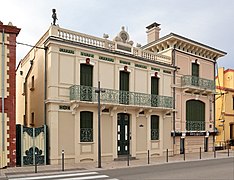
(54, 176)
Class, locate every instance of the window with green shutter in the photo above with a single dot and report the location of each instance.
(195, 115)
(124, 87)
(86, 126)
(154, 91)
(195, 74)
(154, 127)
(86, 82)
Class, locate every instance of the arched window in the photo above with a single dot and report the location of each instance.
(154, 127)
(195, 115)
(86, 126)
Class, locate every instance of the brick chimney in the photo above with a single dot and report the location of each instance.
(153, 32)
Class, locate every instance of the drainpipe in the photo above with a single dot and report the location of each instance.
(214, 109)
(174, 80)
(45, 84)
(26, 90)
(3, 91)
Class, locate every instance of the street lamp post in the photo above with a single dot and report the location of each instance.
(98, 91)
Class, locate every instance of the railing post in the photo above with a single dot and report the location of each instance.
(128, 159)
(62, 160)
(148, 157)
(35, 162)
(184, 154)
(167, 156)
(200, 152)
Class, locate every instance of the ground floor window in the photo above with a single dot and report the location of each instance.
(195, 115)
(154, 127)
(86, 126)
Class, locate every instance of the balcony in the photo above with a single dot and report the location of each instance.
(192, 83)
(111, 96)
(195, 125)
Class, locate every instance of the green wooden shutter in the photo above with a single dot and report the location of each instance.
(154, 85)
(154, 127)
(124, 87)
(195, 69)
(86, 126)
(124, 81)
(195, 115)
(86, 75)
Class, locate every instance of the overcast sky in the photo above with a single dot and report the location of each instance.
(210, 22)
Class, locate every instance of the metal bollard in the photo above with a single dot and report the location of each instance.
(214, 153)
(228, 151)
(35, 162)
(200, 152)
(128, 159)
(148, 157)
(184, 154)
(167, 156)
(62, 160)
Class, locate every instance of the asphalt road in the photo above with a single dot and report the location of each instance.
(215, 169)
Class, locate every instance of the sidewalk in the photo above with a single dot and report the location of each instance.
(92, 166)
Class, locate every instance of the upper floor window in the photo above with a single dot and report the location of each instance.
(124, 87)
(86, 82)
(233, 102)
(195, 69)
(32, 84)
(32, 119)
(154, 91)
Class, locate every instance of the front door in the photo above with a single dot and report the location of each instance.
(123, 134)
(206, 144)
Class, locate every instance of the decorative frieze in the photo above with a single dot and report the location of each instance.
(66, 51)
(155, 69)
(124, 62)
(106, 59)
(64, 107)
(87, 54)
(168, 72)
(141, 66)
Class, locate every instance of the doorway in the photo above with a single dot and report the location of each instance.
(123, 136)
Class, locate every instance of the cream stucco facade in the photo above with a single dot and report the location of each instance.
(57, 84)
(67, 51)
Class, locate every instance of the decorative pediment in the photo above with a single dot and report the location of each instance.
(123, 37)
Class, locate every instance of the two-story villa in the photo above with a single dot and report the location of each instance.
(57, 85)
(193, 89)
(152, 98)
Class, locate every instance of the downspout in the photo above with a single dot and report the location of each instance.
(26, 90)
(3, 91)
(45, 84)
(214, 110)
(174, 80)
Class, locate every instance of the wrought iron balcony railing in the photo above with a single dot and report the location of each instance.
(87, 93)
(195, 125)
(198, 82)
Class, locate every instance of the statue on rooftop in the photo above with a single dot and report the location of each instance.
(54, 16)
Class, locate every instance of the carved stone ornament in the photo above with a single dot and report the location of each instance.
(123, 36)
